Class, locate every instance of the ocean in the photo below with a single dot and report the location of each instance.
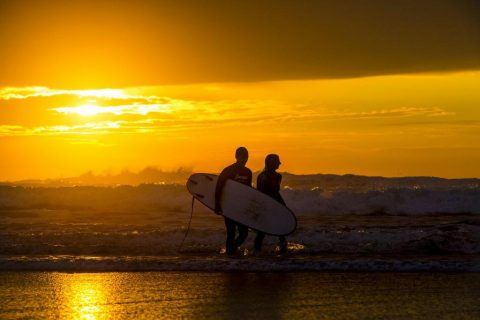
(369, 251)
(239, 295)
(344, 224)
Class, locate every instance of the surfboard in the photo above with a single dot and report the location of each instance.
(244, 204)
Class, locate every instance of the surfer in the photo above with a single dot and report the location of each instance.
(240, 173)
(268, 182)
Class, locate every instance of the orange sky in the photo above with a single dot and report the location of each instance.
(389, 125)
(105, 86)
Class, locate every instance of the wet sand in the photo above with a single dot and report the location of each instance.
(308, 295)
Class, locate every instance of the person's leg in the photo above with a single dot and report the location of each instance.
(283, 244)
(259, 241)
(230, 243)
(242, 234)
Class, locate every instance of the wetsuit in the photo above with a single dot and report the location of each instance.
(243, 175)
(269, 182)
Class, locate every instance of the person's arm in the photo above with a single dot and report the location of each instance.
(280, 198)
(250, 178)
(222, 179)
(260, 182)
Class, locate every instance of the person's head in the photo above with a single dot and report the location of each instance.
(241, 154)
(272, 162)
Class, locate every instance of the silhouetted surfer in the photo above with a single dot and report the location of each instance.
(242, 174)
(268, 182)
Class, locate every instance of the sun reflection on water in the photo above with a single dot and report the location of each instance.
(85, 296)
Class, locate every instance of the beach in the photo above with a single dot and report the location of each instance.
(114, 253)
(234, 295)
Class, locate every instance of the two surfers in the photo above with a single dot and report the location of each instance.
(268, 182)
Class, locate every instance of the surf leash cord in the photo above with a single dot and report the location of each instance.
(189, 223)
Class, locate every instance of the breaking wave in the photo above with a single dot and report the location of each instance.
(141, 228)
(395, 201)
(390, 201)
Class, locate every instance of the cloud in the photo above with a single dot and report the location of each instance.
(378, 114)
(10, 93)
(92, 110)
(191, 118)
(88, 128)
(172, 42)
(135, 111)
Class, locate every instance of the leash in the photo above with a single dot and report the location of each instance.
(189, 223)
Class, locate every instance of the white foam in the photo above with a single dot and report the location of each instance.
(92, 237)
(391, 201)
(303, 202)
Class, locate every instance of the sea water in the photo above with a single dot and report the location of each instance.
(396, 253)
(94, 240)
(239, 295)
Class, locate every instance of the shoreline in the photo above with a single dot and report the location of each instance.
(220, 263)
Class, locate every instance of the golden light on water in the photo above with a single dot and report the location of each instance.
(84, 296)
(232, 295)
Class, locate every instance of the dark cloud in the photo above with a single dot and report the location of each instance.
(164, 42)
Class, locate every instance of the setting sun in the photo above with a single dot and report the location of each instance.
(175, 84)
(418, 124)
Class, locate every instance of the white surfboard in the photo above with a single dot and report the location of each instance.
(244, 204)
